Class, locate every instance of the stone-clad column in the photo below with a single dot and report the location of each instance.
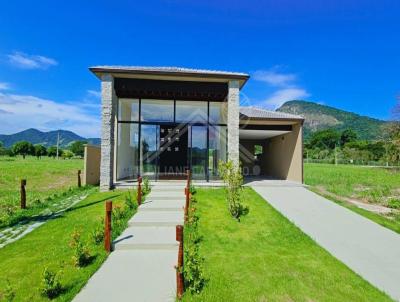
(233, 121)
(108, 104)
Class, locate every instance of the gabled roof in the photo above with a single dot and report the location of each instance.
(170, 71)
(259, 113)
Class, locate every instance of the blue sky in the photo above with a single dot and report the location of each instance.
(340, 53)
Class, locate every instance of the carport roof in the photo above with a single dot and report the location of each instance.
(259, 113)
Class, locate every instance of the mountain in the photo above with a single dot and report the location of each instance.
(319, 117)
(45, 138)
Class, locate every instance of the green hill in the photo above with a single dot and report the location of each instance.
(47, 139)
(319, 117)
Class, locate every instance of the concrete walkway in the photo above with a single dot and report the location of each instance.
(141, 267)
(367, 248)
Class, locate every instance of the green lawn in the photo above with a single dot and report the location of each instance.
(45, 178)
(22, 262)
(373, 185)
(267, 258)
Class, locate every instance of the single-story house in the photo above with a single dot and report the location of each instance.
(159, 121)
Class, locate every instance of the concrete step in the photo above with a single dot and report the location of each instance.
(157, 218)
(133, 275)
(154, 238)
(166, 196)
(162, 205)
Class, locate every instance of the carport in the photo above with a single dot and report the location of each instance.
(271, 144)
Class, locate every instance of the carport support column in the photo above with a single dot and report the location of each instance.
(233, 121)
(108, 103)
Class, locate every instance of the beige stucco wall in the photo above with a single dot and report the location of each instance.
(91, 171)
(284, 155)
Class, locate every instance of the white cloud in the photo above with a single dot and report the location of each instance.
(25, 61)
(274, 78)
(19, 112)
(286, 85)
(283, 95)
(4, 86)
(95, 93)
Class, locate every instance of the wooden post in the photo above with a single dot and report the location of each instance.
(139, 191)
(188, 176)
(179, 269)
(107, 227)
(79, 179)
(23, 194)
(187, 204)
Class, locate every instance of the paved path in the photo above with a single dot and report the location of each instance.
(141, 267)
(367, 248)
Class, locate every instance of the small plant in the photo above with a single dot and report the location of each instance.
(9, 294)
(146, 188)
(130, 202)
(233, 178)
(82, 255)
(192, 189)
(98, 232)
(394, 203)
(193, 268)
(51, 285)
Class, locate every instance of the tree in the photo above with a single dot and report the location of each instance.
(23, 148)
(52, 151)
(324, 139)
(40, 151)
(67, 154)
(348, 136)
(78, 148)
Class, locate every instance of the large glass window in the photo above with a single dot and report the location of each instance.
(218, 112)
(157, 111)
(199, 151)
(149, 150)
(217, 149)
(128, 110)
(191, 111)
(127, 151)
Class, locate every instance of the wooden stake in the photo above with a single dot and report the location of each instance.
(79, 179)
(179, 269)
(139, 191)
(107, 227)
(187, 204)
(23, 194)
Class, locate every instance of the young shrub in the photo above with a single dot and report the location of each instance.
(98, 232)
(233, 179)
(146, 188)
(394, 203)
(82, 255)
(51, 286)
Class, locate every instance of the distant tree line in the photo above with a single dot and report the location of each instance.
(345, 147)
(24, 148)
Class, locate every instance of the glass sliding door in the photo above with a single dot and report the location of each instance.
(198, 151)
(149, 150)
(217, 149)
(127, 151)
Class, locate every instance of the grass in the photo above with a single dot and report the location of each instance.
(372, 185)
(47, 180)
(266, 258)
(22, 262)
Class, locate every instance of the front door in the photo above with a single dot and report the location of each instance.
(173, 151)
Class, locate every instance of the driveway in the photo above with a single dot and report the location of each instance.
(367, 248)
